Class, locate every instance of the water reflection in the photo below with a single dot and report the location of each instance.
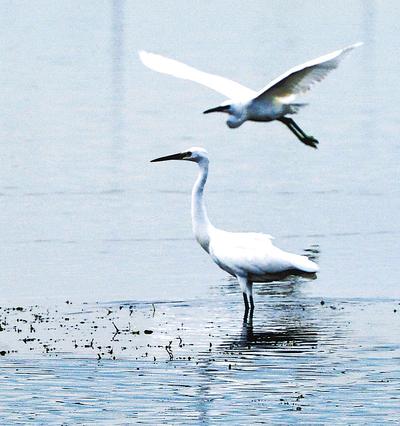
(289, 325)
(298, 338)
(117, 62)
(313, 252)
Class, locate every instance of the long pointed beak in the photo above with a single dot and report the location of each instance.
(179, 156)
(221, 108)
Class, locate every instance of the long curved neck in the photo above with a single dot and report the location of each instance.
(200, 222)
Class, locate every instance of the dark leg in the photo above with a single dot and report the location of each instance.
(245, 315)
(250, 295)
(297, 127)
(309, 138)
(246, 303)
(298, 132)
(248, 318)
(287, 122)
(251, 304)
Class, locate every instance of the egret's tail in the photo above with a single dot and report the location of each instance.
(304, 264)
(294, 108)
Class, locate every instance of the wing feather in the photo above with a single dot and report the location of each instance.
(251, 253)
(302, 77)
(228, 88)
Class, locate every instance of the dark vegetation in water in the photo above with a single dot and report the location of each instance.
(96, 331)
(144, 332)
(124, 330)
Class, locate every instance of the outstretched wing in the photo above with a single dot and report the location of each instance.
(301, 78)
(229, 88)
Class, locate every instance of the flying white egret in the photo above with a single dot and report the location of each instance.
(273, 102)
(250, 257)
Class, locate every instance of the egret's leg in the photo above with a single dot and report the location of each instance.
(248, 320)
(246, 303)
(308, 140)
(286, 122)
(298, 132)
(245, 315)
(251, 303)
(243, 287)
(297, 127)
(249, 291)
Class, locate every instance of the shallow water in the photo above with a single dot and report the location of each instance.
(300, 360)
(86, 218)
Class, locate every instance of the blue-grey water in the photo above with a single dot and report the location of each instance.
(86, 218)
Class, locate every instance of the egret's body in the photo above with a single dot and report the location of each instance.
(273, 102)
(250, 257)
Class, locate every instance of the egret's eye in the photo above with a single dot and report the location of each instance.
(188, 154)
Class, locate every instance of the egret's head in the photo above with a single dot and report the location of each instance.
(236, 113)
(195, 154)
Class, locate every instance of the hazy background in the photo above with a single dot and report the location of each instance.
(84, 214)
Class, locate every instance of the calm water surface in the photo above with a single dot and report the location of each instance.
(86, 218)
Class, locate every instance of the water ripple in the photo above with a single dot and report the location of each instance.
(162, 362)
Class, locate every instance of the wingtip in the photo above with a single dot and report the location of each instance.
(144, 55)
(346, 50)
(358, 44)
(147, 58)
(353, 46)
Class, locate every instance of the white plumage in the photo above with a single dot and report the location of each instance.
(249, 256)
(273, 102)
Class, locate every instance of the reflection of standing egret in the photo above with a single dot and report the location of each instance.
(249, 257)
(296, 337)
(273, 102)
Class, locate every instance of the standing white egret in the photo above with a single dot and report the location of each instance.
(250, 257)
(273, 102)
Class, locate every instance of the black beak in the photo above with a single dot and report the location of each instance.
(179, 156)
(222, 108)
